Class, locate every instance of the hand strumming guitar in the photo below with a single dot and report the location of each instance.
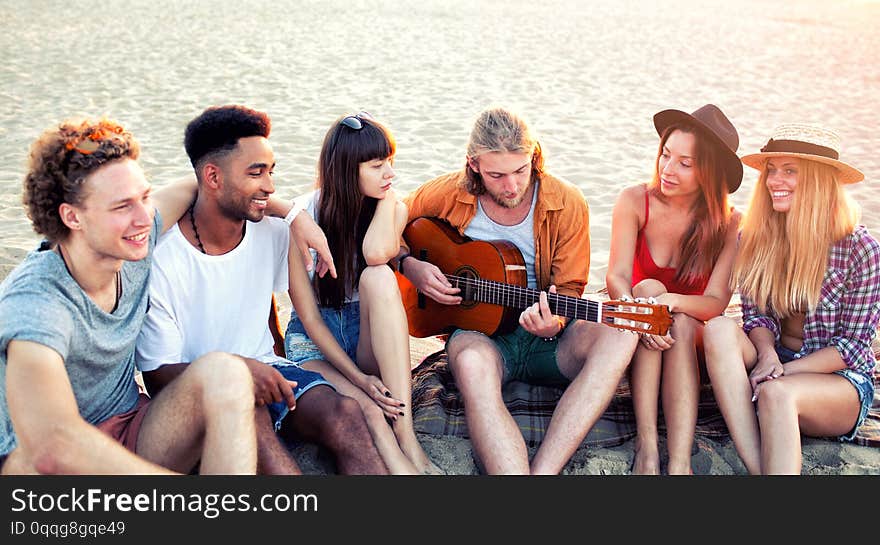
(431, 281)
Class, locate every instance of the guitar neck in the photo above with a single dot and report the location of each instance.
(509, 295)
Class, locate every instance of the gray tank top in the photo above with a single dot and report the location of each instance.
(522, 235)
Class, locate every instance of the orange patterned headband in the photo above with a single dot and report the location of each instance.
(88, 143)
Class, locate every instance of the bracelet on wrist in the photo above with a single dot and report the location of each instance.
(294, 211)
(561, 323)
(400, 262)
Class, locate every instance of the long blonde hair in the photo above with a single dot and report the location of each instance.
(702, 242)
(783, 256)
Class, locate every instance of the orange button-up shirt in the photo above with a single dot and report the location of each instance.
(562, 225)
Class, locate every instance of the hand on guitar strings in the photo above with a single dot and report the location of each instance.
(381, 395)
(431, 281)
(539, 320)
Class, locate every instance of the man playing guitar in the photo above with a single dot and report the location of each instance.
(503, 194)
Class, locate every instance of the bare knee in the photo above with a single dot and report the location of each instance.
(224, 379)
(378, 280)
(470, 360)
(585, 341)
(774, 396)
(720, 333)
(649, 287)
(615, 348)
(684, 327)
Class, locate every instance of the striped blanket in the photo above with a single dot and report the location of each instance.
(438, 410)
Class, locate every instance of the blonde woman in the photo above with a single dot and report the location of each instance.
(810, 282)
(674, 239)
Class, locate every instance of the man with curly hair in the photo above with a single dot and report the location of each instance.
(70, 315)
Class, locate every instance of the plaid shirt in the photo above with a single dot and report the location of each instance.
(849, 304)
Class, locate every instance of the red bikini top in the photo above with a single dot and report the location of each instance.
(645, 267)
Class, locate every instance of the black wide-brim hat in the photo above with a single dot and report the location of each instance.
(714, 124)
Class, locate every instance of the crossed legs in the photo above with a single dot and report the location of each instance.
(383, 350)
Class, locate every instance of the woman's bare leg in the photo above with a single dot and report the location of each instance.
(385, 348)
(817, 404)
(645, 386)
(681, 393)
(729, 357)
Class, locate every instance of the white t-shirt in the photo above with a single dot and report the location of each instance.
(200, 303)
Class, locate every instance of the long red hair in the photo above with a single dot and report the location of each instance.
(702, 242)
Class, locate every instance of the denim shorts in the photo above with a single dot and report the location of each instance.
(344, 323)
(864, 386)
(305, 381)
(527, 358)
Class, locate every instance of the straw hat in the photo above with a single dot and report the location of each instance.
(720, 130)
(805, 142)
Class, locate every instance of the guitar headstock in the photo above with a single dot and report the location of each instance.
(641, 317)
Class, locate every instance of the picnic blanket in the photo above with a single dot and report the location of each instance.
(438, 409)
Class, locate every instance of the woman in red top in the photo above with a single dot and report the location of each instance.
(682, 258)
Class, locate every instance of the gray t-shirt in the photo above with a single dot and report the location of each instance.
(42, 303)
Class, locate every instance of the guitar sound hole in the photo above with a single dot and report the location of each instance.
(467, 275)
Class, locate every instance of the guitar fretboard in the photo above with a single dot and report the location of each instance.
(508, 295)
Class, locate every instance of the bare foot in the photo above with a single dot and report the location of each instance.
(646, 460)
(431, 469)
(679, 469)
(417, 455)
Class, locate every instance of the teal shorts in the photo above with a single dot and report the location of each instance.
(527, 358)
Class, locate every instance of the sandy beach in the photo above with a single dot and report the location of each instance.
(710, 456)
(588, 76)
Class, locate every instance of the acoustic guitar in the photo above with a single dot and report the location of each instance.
(492, 278)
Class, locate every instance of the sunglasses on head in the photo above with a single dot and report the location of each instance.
(354, 121)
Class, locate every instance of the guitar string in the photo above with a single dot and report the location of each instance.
(523, 297)
(531, 295)
(511, 295)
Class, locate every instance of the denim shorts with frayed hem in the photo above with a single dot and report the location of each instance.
(344, 324)
(305, 381)
(864, 386)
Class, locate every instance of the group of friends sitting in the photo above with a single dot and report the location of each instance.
(178, 282)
